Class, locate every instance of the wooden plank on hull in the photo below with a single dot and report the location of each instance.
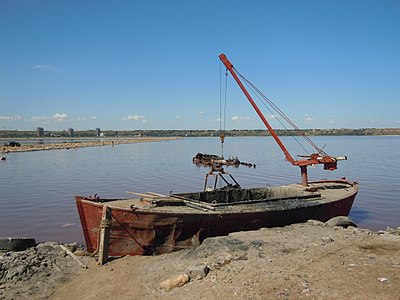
(105, 228)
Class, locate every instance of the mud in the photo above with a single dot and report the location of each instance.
(37, 271)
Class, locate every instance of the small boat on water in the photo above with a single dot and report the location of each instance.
(156, 224)
(153, 223)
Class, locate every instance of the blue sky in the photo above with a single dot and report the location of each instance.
(154, 64)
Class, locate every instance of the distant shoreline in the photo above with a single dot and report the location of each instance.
(170, 133)
(77, 143)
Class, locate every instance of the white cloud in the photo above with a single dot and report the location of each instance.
(308, 120)
(40, 119)
(238, 119)
(136, 118)
(235, 118)
(10, 118)
(57, 117)
(332, 121)
(49, 68)
(200, 112)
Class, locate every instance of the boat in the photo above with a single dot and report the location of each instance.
(3, 158)
(152, 223)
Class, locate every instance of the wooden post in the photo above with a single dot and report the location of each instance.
(105, 228)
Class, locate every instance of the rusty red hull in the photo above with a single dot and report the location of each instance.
(146, 231)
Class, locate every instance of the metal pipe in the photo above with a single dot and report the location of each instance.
(304, 176)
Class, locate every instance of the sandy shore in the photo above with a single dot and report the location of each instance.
(301, 261)
(80, 144)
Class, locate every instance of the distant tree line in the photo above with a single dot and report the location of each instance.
(8, 134)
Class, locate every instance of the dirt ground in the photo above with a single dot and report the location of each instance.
(300, 261)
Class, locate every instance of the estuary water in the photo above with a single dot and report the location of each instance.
(37, 188)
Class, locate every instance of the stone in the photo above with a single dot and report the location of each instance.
(175, 282)
(198, 271)
(327, 239)
(257, 243)
(341, 221)
(315, 223)
(393, 231)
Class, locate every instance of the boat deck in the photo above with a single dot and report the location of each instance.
(278, 198)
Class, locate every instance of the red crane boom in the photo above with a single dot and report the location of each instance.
(329, 162)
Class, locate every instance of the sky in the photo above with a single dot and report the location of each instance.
(127, 65)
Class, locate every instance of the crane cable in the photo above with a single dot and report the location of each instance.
(265, 100)
(222, 109)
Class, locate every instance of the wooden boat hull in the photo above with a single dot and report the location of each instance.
(143, 229)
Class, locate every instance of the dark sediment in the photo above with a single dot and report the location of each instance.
(36, 271)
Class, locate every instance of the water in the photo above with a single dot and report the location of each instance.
(37, 188)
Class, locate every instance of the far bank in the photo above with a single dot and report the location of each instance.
(128, 134)
(28, 145)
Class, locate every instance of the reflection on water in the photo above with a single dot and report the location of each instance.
(37, 188)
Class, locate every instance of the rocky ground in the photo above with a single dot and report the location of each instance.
(36, 272)
(300, 261)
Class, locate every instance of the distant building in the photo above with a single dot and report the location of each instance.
(71, 132)
(40, 132)
(97, 131)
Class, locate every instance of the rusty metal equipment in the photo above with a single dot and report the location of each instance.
(329, 162)
(216, 164)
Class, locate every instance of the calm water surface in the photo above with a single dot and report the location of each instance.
(37, 188)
